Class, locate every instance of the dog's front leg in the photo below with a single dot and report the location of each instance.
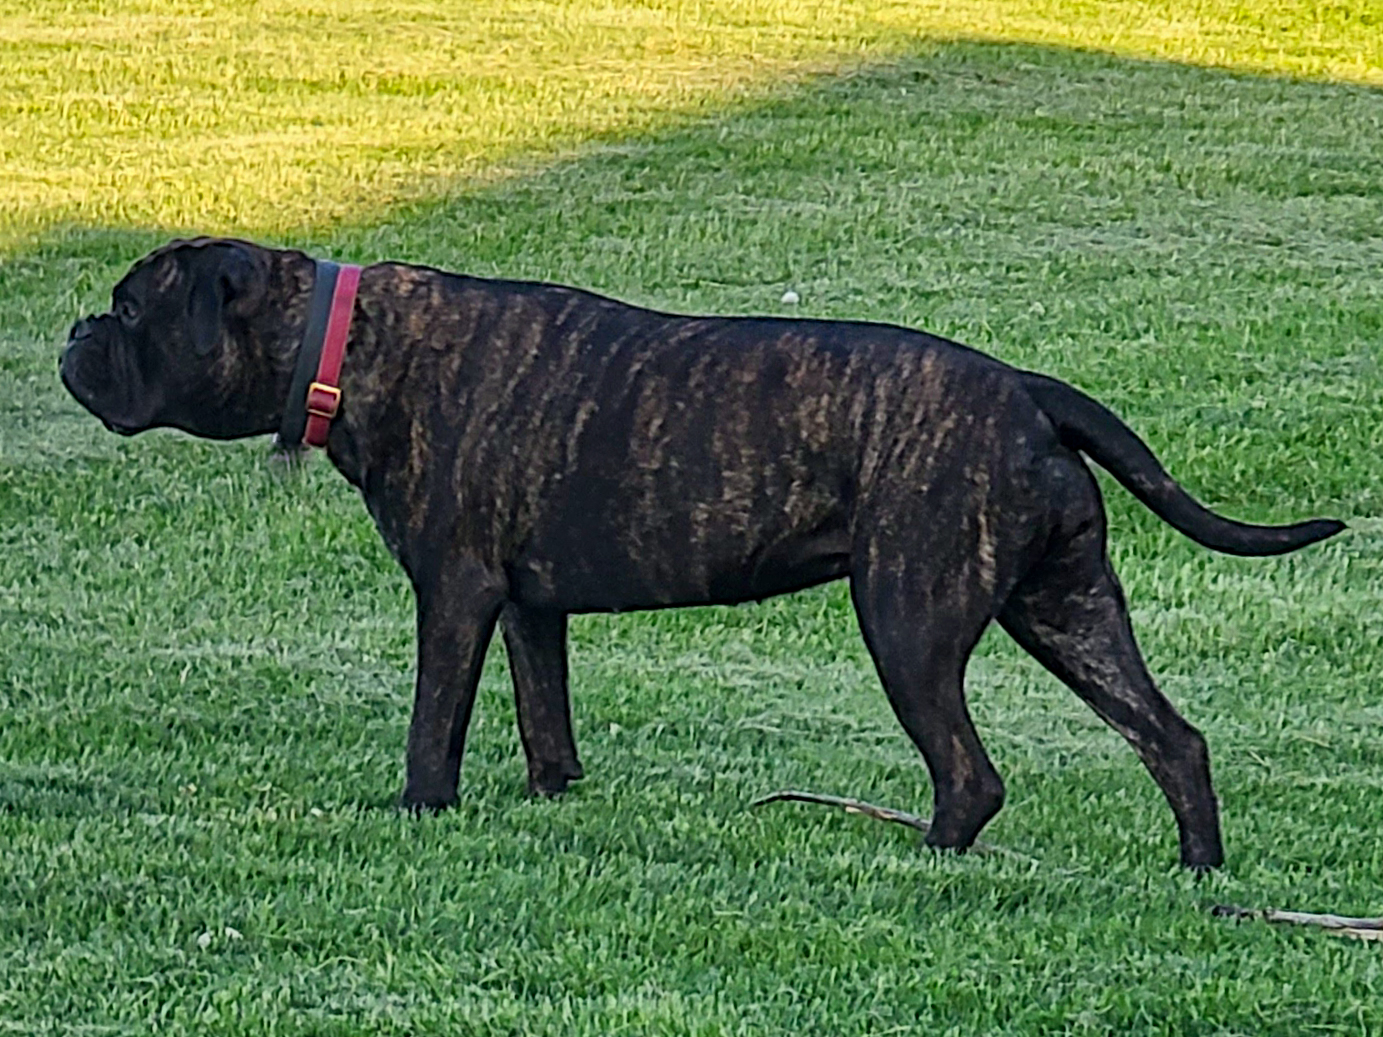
(457, 606)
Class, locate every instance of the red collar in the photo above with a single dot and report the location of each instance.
(324, 395)
(313, 394)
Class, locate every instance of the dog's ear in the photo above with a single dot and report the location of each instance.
(227, 278)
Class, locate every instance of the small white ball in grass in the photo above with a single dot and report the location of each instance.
(791, 298)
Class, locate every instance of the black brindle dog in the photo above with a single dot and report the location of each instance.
(530, 451)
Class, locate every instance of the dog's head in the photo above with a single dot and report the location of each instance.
(194, 339)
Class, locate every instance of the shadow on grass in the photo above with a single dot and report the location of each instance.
(40, 792)
(1196, 247)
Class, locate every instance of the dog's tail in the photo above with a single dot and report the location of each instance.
(1087, 425)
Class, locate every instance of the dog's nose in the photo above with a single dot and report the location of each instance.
(81, 329)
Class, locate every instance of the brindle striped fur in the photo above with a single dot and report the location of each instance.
(529, 451)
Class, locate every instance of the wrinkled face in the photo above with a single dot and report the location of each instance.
(172, 351)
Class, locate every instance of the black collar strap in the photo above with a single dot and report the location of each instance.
(290, 433)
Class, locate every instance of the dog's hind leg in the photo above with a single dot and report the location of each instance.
(536, 640)
(920, 637)
(1069, 612)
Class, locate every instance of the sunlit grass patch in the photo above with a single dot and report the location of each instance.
(280, 117)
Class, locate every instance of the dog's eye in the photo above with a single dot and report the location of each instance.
(127, 311)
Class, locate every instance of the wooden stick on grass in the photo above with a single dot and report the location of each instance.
(1336, 925)
(857, 806)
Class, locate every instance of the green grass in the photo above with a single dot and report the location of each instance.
(207, 667)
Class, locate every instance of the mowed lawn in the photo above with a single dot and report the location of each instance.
(207, 665)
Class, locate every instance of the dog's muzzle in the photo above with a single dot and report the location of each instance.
(82, 335)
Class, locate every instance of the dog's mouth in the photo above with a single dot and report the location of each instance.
(82, 398)
(120, 430)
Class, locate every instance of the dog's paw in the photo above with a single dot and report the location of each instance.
(417, 800)
(551, 780)
(1202, 853)
(1203, 866)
